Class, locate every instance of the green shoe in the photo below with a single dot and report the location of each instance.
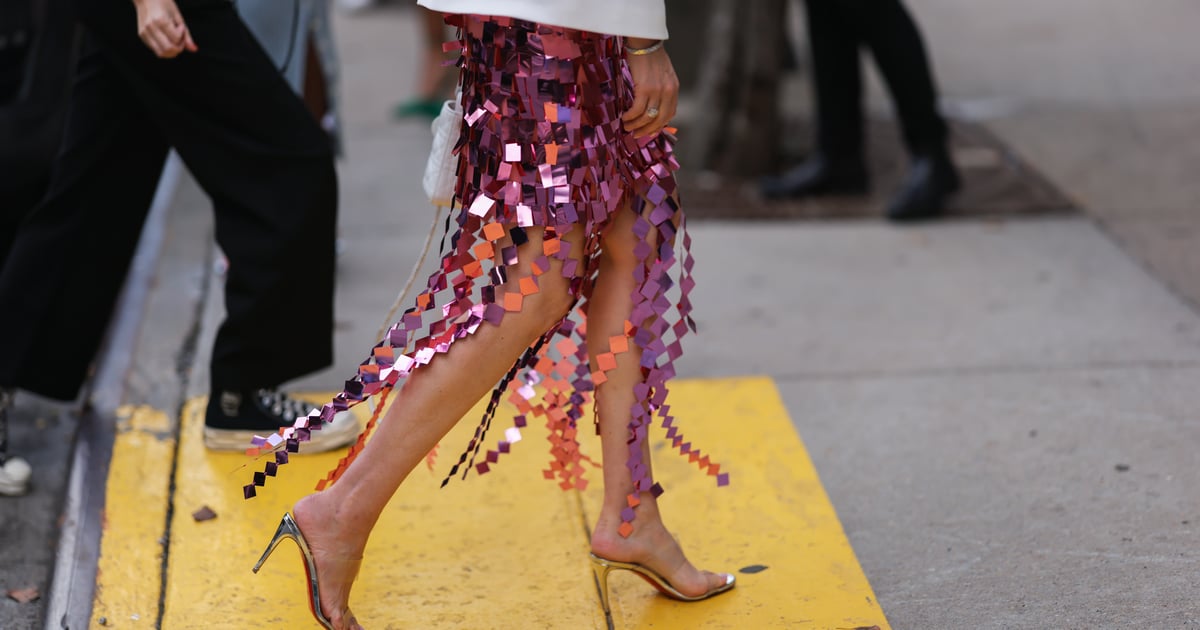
(417, 108)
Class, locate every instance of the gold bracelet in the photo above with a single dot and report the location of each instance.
(644, 51)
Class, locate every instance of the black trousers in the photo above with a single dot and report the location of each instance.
(252, 146)
(33, 101)
(837, 30)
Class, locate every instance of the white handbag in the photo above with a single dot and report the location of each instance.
(439, 183)
(439, 170)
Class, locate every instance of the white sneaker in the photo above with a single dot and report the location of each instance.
(14, 471)
(14, 477)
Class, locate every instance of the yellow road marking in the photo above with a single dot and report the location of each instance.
(509, 550)
(128, 581)
(498, 552)
(773, 513)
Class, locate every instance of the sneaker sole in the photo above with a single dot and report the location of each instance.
(334, 435)
(10, 489)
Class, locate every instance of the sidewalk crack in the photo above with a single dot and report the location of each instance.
(183, 363)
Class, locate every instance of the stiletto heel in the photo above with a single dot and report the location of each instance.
(288, 529)
(600, 570)
(601, 567)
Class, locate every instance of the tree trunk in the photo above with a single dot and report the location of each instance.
(736, 128)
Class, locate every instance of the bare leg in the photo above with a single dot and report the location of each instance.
(650, 544)
(338, 521)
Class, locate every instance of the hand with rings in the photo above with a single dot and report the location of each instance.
(655, 88)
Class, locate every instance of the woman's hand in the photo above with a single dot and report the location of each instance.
(655, 90)
(161, 27)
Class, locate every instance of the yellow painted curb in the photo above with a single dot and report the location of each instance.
(128, 581)
(503, 551)
(774, 513)
(509, 550)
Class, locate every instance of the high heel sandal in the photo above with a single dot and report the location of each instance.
(288, 529)
(601, 567)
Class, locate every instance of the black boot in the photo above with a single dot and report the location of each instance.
(931, 179)
(817, 176)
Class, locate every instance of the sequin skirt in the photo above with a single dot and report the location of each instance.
(542, 148)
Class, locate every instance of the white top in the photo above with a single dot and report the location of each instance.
(632, 18)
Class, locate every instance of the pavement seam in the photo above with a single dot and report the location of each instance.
(169, 517)
(184, 363)
(1108, 229)
(587, 536)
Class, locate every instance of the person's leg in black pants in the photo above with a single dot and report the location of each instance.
(268, 167)
(896, 44)
(836, 30)
(837, 85)
(836, 166)
(269, 170)
(69, 258)
(889, 32)
(61, 278)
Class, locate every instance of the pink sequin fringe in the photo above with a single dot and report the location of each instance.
(542, 147)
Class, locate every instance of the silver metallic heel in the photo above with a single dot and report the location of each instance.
(603, 566)
(288, 529)
(600, 569)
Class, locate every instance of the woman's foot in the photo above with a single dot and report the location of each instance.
(653, 547)
(337, 561)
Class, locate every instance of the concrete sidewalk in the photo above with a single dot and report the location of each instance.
(1002, 413)
(1103, 96)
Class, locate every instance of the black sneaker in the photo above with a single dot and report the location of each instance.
(14, 471)
(234, 418)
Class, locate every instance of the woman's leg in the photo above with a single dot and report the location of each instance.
(338, 521)
(650, 544)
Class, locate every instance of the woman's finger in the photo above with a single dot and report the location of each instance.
(157, 42)
(640, 102)
(176, 33)
(637, 120)
(166, 44)
(180, 34)
(646, 126)
(170, 49)
(638, 127)
(649, 125)
(188, 43)
(666, 111)
(669, 109)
